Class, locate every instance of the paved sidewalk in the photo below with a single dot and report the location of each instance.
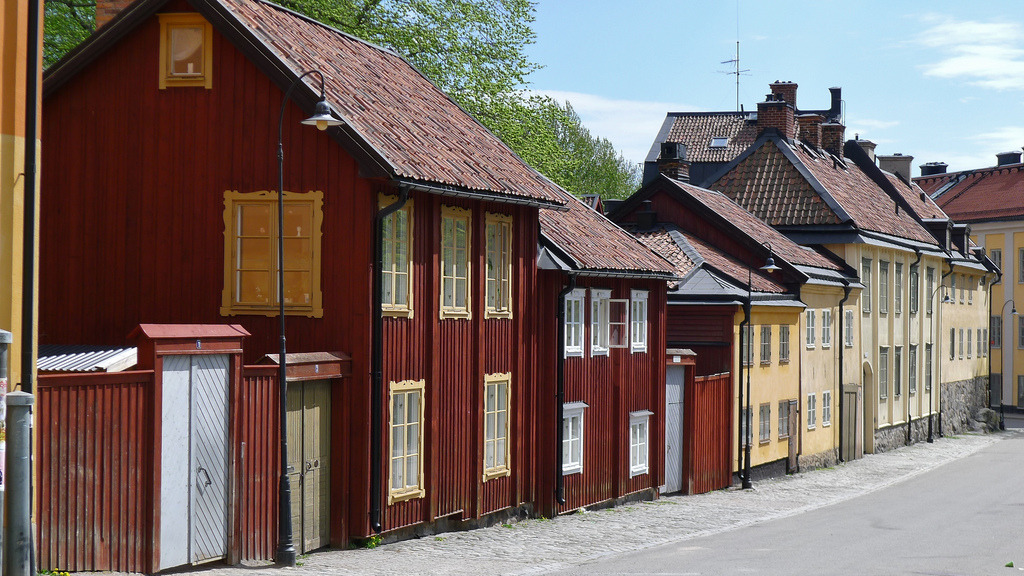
(539, 546)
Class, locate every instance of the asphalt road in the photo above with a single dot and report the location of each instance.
(965, 517)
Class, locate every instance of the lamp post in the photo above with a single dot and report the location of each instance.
(769, 267)
(935, 353)
(321, 118)
(1013, 312)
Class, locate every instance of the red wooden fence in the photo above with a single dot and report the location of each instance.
(257, 462)
(707, 433)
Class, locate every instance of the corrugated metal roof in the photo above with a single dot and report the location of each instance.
(60, 358)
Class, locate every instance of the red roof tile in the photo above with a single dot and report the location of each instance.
(759, 281)
(989, 194)
(660, 241)
(696, 129)
(407, 119)
(916, 197)
(597, 244)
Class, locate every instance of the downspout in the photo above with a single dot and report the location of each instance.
(938, 336)
(743, 334)
(988, 343)
(28, 278)
(842, 352)
(560, 389)
(909, 416)
(377, 359)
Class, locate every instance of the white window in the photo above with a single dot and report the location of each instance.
(638, 442)
(915, 289)
(574, 322)
(997, 259)
(766, 344)
(783, 343)
(883, 287)
(848, 328)
(968, 342)
(765, 423)
(897, 372)
(572, 437)
(883, 372)
(963, 286)
(638, 320)
(811, 412)
(912, 378)
(499, 266)
(982, 352)
(497, 398)
(455, 262)
(783, 419)
(927, 367)
(970, 293)
(865, 279)
(997, 331)
(809, 320)
(961, 355)
(618, 323)
(599, 321)
(747, 347)
(898, 288)
(826, 328)
(826, 408)
(931, 289)
(406, 418)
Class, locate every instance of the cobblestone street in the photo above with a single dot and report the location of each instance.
(539, 546)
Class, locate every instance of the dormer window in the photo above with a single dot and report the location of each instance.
(719, 142)
(186, 57)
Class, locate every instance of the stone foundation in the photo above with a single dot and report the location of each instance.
(960, 401)
(825, 459)
(892, 437)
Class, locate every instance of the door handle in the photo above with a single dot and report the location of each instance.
(203, 470)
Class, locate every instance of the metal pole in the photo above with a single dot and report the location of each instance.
(18, 512)
(750, 351)
(6, 338)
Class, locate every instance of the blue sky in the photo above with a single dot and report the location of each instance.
(938, 80)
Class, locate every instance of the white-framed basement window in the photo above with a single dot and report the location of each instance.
(639, 433)
(574, 322)
(572, 437)
(638, 320)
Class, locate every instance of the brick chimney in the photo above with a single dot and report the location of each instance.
(867, 145)
(785, 91)
(832, 135)
(673, 162)
(775, 112)
(107, 9)
(897, 164)
(810, 129)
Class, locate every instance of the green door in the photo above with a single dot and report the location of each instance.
(309, 448)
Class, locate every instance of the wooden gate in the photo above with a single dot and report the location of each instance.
(674, 449)
(309, 449)
(707, 433)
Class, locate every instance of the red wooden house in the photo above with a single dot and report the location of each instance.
(163, 208)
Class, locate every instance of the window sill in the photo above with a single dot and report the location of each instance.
(766, 362)
(496, 473)
(404, 495)
(598, 351)
(826, 424)
(639, 472)
(812, 427)
(786, 437)
(397, 312)
(574, 353)
(456, 315)
(573, 470)
(498, 314)
(308, 312)
(638, 349)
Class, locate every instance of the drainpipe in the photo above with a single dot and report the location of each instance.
(744, 464)
(942, 328)
(988, 347)
(28, 280)
(560, 390)
(909, 415)
(842, 352)
(377, 360)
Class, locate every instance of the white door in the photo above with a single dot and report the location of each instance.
(674, 377)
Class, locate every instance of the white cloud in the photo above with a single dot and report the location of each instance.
(986, 54)
(977, 151)
(630, 125)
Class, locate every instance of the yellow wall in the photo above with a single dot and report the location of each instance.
(1008, 359)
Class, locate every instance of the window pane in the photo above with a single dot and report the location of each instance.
(254, 220)
(489, 455)
(502, 396)
(397, 478)
(298, 254)
(412, 471)
(298, 287)
(460, 293)
(489, 426)
(397, 443)
(412, 439)
(500, 430)
(500, 452)
(254, 253)
(254, 287)
(298, 220)
(186, 51)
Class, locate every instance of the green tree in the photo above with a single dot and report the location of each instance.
(66, 24)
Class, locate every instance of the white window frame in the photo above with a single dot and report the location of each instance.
(575, 314)
(599, 299)
(639, 442)
(826, 328)
(883, 372)
(783, 344)
(898, 288)
(764, 423)
(848, 328)
(897, 372)
(928, 367)
(498, 265)
(912, 370)
(393, 244)
(809, 321)
(408, 491)
(784, 416)
(970, 294)
(826, 408)
(997, 259)
(573, 446)
(865, 295)
(883, 287)
(969, 347)
(930, 305)
(620, 322)
(961, 349)
(456, 310)
(997, 331)
(747, 345)
(812, 411)
(638, 320)
(915, 289)
(766, 344)
(497, 437)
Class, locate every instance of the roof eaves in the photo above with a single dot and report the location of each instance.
(458, 192)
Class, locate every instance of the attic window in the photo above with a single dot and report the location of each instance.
(719, 142)
(186, 57)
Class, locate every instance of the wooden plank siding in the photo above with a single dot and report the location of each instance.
(256, 456)
(707, 438)
(612, 386)
(708, 331)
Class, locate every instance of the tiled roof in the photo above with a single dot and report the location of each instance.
(759, 281)
(756, 228)
(661, 241)
(770, 184)
(916, 197)
(596, 244)
(696, 129)
(981, 195)
(415, 126)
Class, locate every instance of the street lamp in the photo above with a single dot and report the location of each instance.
(322, 118)
(935, 354)
(769, 267)
(1013, 312)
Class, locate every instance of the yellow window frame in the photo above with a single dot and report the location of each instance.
(390, 276)
(233, 202)
(407, 492)
(175, 21)
(452, 309)
(499, 275)
(505, 468)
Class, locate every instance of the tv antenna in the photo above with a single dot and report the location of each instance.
(736, 61)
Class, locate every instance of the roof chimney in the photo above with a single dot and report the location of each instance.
(1004, 158)
(776, 113)
(933, 168)
(672, 162)
(785, 91)
(835, 111)
(897, 164)
(832, 135)
(867, 145)
(107, 9)
(810, 129)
